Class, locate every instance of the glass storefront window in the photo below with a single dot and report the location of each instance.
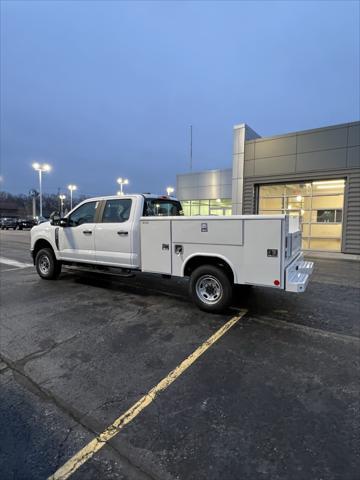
(319, 205)
(219, 206)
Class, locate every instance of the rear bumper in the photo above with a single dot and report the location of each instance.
(297, 274)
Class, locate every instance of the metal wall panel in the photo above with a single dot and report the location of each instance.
(275, 147)
(275, 165)
(321, 160)
(249, 150)
(354, 135)
(353, 157)
(208, 184)
(351, 228)
(249, 168)
(187, 180)
(323, 139)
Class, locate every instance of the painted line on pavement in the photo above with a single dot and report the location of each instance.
(15, 263)
(112, 430)
(276, 323)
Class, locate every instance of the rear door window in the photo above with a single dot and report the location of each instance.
(117, 210)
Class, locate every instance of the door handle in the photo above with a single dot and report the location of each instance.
(179, 249)
(87, 232)
(122, 232)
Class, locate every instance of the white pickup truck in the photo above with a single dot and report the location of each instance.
(148, 233)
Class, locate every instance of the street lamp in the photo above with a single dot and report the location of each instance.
(62, 198)
(41, 167)
(71, 188)
(122, 182)
(170, 190)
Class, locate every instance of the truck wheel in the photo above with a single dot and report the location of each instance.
(210, 288)
(46, 264)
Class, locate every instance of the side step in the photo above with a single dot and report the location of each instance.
(306, 267)
(297, 275)
(116, 272)
(297, 281)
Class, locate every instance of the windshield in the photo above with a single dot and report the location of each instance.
(160, 207)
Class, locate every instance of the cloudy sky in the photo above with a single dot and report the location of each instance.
(107, 89)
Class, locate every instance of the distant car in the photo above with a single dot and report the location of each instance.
(25, 223)
(9, 222)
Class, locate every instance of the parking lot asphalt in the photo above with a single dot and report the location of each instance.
(277, 397)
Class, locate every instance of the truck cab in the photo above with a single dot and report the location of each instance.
(103, 230)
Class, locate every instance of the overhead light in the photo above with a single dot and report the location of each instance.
(323, 187)
(329, 182)
(299, 198)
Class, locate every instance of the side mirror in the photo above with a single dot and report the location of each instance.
(63, 222)
(55, 218)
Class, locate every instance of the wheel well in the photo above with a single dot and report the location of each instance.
(39, 245)
(199, 260)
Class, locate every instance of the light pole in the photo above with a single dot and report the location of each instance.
(122, 181)
(71, 188)
(62, 198)
(41, 167)
(170, 190)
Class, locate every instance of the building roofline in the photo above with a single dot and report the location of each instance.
(304, 132)
(205, 170)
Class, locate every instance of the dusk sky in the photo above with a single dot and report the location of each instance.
(107, 89)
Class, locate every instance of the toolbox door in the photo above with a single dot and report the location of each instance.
(156, 246)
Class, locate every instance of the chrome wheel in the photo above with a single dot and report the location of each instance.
(44, 264)
(209, 289)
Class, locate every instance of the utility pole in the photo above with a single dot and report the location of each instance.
(191, 146)
(33, 194)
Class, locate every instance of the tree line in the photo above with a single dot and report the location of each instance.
(22, 204)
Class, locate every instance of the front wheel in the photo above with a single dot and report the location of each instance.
(46, 264)
(210, 288)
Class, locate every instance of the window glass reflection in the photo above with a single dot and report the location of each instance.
(319, 205)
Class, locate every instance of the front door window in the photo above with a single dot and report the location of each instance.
(84, 214)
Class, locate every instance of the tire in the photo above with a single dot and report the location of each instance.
(46, 264)
(210, 288)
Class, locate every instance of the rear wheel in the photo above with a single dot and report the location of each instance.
(46, 264)
(210, 288)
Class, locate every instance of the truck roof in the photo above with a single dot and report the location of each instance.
(132, 195)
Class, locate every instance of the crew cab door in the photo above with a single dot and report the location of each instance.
(114, 233)
(76, 240)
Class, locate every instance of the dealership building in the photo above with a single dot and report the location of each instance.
(314, 174)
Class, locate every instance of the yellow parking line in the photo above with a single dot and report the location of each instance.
(100, 441)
